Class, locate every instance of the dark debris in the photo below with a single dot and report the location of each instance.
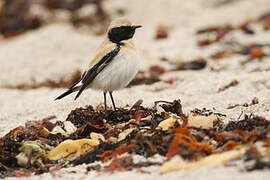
(151, 76)
(219, 32)
(261, 164)
(249, 123)
(206, 112)
(197, 64)
(253, 102)
(126, 163)
(231, 84)
(162, 32)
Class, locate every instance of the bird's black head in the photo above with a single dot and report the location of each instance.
(118, 34)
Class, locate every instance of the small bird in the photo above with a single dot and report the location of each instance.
(115, 64)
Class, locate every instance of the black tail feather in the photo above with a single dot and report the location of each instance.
(71, 90)
(80, 91)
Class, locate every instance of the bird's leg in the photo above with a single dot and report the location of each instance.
(110, 92)
(105, 104)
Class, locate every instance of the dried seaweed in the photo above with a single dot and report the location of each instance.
(219, 33)
(221, 54)
(246, 28)
(186, 145)
(265, 20)
(206, 112)
(142, 138)
(64, 4)
(252, 153)
(15, 18)
(260, 165)
(148, 77)
(152, 75)
(162, 32)
(11, 142)
(253, 102)
(126, 163)
(197, 64)
(231, 84)
(174, 107)
(220, 3)
(248, 123)
(50, 83)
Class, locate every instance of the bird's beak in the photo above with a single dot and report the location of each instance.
(137, 26)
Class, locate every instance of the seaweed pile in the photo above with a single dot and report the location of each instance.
(88, 135)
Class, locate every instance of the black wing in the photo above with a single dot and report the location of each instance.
(97, 68)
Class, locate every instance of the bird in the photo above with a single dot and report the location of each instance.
(116, 62)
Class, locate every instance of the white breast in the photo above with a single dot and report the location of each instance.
(117, 75)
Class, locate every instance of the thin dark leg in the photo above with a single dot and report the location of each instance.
(110, 92)
(105, 104)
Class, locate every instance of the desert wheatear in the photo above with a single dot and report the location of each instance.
(115, 64)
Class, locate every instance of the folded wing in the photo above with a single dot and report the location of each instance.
(97, 68)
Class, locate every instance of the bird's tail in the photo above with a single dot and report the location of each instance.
(69, 91)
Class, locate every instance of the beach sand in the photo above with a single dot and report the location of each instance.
(57, 50)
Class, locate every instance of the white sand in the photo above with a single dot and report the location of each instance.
(57, 50)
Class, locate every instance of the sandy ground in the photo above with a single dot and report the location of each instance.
(56, 50)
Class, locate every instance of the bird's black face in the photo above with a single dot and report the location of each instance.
(121, 33)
